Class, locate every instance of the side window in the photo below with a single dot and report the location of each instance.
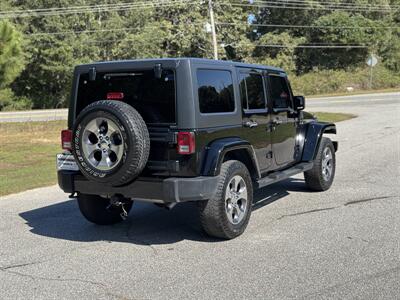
(215, 88)
(279, 92)
(252, 91)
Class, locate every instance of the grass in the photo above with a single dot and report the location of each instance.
(333, 117)
(27, 155)
(28, 150)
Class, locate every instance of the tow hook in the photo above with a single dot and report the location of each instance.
(123, 214)
(116, 202)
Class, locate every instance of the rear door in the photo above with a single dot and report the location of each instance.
(255, 115)
(283, 122)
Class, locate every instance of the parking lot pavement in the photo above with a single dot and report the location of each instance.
(343, 243)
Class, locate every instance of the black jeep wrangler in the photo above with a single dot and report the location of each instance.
(186, 129)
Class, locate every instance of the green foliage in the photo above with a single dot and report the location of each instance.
(55, 44)
(353, 30)
(11, 55)
(376, 30)
(8, 101)
(12, 61)
(284, 57)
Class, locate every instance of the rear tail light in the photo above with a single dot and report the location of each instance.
(115, 96)
(66, 139)
(186, 143)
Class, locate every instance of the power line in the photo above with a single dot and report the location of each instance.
(279, 5)
(202, 24)
(110, 29)
(330, 4)
(314, 46)
(325, 4)
(217, 23)
(304, 26)
(311, 45)
(53, 9)
(92, 9)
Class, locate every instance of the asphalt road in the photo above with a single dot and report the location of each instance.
(341, 244)
(34, 115)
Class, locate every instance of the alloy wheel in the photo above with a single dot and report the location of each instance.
(102, 144)
(236, 199)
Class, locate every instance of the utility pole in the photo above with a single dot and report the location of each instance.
(214, 34)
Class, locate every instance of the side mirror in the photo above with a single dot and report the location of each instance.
(299, 102)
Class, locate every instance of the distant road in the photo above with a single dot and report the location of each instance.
(353, 100)
(311, 103)
(34, 115)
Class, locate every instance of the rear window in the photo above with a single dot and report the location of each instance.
(153, 98)
(215, 89)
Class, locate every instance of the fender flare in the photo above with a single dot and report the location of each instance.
(313, 137)
(216, 151)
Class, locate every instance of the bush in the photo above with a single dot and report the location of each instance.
(9, 102)
(333, 81)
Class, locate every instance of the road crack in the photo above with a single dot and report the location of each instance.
(331, 288)
(367, 200)
(354, 202)
(307, 212)
(20, 265)
(106, 288)
(34, 277)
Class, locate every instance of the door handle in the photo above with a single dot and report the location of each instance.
(250, 124)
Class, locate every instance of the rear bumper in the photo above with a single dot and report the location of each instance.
(175, 189)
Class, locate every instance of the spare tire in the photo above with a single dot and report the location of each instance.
(110, 142)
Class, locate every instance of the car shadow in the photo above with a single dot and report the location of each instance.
(147, 224)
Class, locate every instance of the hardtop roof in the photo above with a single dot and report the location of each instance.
(192, 60)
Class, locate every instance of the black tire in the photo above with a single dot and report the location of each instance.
(135, 137)
(314, 178)
(213, 215)
(97, 209)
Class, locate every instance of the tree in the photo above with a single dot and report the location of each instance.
(282, 54)
(12, 61)
(12, 58)
(321, 26)
(342, 28)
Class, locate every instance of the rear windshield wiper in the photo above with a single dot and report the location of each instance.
(110, 75)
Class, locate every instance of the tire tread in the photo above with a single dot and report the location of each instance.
(313, 177)
(212, 212)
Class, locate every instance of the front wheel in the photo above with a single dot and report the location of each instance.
(321, 176)
(227, 214)
(103, 211)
